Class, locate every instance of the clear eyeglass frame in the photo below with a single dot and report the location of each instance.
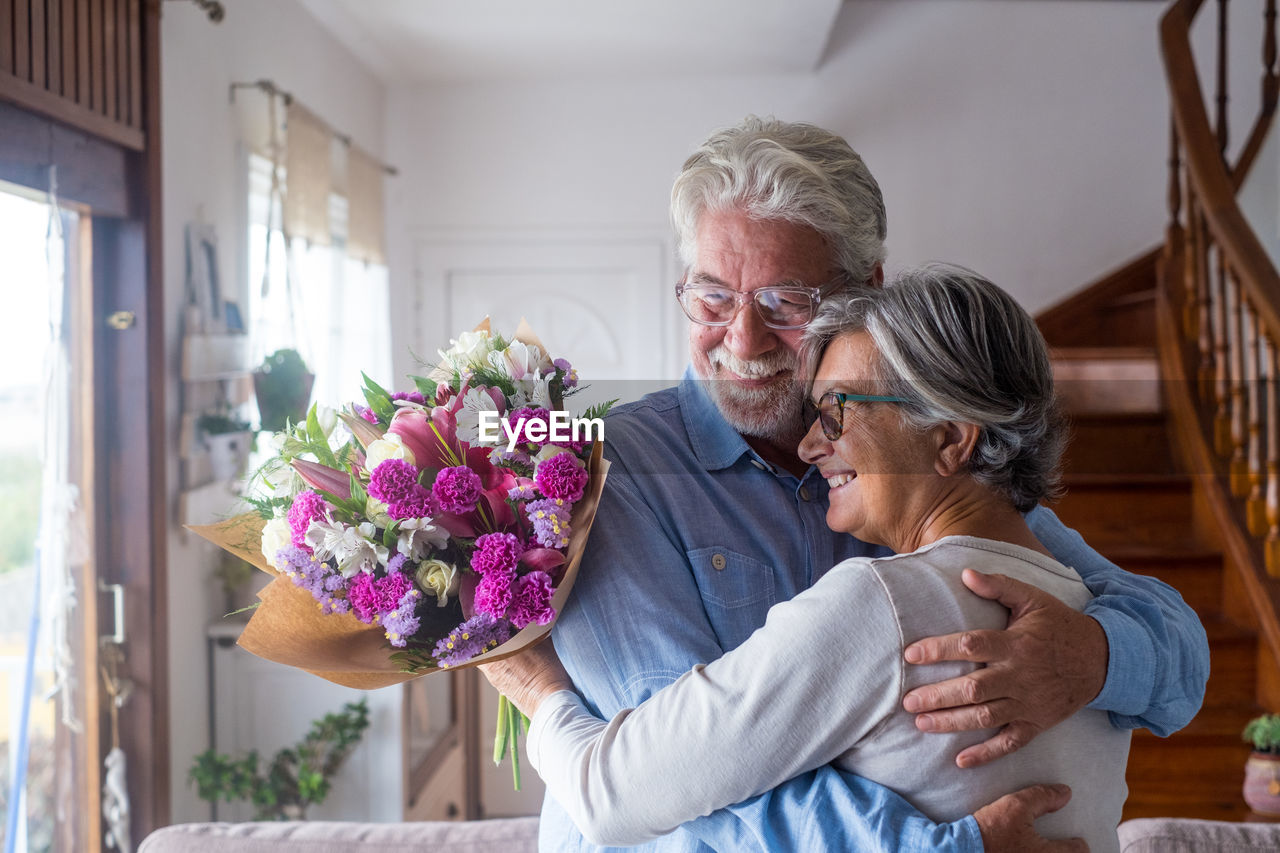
(686, 293)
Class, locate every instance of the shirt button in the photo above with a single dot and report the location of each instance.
(718, 562)
(758, 464)
(804, 493)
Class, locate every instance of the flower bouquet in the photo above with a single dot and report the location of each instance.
(425, 530)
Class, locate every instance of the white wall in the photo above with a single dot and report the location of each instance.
(202, 175)
(1026, 140)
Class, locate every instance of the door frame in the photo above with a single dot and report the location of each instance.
(121, 187)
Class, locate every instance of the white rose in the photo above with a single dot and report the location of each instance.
(390, 446)
(550, 450)
(276, 535)
(376, 511)
(327, 417)
(469, 349)
(439, 578)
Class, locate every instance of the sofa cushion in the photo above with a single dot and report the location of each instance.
(1184, 835)
(510, 835)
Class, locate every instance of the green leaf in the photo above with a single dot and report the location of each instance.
(426, 387)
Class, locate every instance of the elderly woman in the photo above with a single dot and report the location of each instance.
(936, 428)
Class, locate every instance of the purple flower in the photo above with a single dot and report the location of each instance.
(493, 593)
(396, 563)
(520, 420)
(322, 580)
(402, 622)
(479, 634)
(550, 520)
(531, 600)
(562, 477)
(417, 504)
(411, 396)
(372, 597)
(501, 456)
(367, 413)
(307, 507)
(522, 490)
(457, 489)
(496, 553)
(393, 480)
(570, 378)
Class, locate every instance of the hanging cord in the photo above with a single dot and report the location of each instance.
(276, 201)
(50, 539)
(62, 532)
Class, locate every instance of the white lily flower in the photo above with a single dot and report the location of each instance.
(349, 546)
(419, 537)
(474, 402)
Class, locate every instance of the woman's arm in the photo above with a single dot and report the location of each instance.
(786, 701)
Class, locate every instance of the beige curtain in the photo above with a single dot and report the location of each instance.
(364, 211)
(308, 175)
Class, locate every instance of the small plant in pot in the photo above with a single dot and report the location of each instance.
(297, 778)
(228, 440)
(1262, 770)
(282, 384)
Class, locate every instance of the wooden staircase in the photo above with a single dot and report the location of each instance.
(1133, 500)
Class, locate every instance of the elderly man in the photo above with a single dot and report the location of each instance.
(709, 518)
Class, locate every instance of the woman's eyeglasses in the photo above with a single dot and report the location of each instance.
(829, 412)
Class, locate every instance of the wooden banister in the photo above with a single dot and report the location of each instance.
(1219, 320)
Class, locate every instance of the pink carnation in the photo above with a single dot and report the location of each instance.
(457, 489)
(393, 480)
(416, 504)
(531, 600)
(307, 507)
(371, 597)
(496, 553)
(561, 477)
(493, 593)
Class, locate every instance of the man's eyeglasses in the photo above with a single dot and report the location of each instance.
(829, 412)
(779, 306)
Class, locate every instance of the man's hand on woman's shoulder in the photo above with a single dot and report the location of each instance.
(1046, 665)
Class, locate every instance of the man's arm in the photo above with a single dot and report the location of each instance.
(1138, 651)
(635, 623)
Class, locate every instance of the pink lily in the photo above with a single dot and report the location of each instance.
(324, 478)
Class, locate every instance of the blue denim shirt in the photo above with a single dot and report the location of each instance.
(697, 537)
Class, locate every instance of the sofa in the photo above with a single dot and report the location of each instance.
(505, 835)
(518, 835)
(1184, 835)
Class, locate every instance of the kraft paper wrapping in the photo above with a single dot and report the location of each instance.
(288, 627)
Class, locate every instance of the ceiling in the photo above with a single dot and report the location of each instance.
(452, 41)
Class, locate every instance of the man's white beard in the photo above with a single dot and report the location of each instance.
(771, 412)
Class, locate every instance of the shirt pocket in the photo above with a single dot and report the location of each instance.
(736, 590)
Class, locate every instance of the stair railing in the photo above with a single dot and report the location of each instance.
(1220, 310)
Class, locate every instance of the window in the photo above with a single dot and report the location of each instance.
(334, 310)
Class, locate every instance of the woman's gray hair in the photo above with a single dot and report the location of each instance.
(791, 172)
(958, 348)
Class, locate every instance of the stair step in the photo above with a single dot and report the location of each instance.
(1221, 723)
(1233, 654)
(1107, 379)
(1195, 572)
(1104, 443)
(1111, 510)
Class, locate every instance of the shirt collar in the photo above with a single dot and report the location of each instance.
(716, 444)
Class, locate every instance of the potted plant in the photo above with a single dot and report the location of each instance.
(1262, 770)
(297, 778)
(282, 384)
(228, 440)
